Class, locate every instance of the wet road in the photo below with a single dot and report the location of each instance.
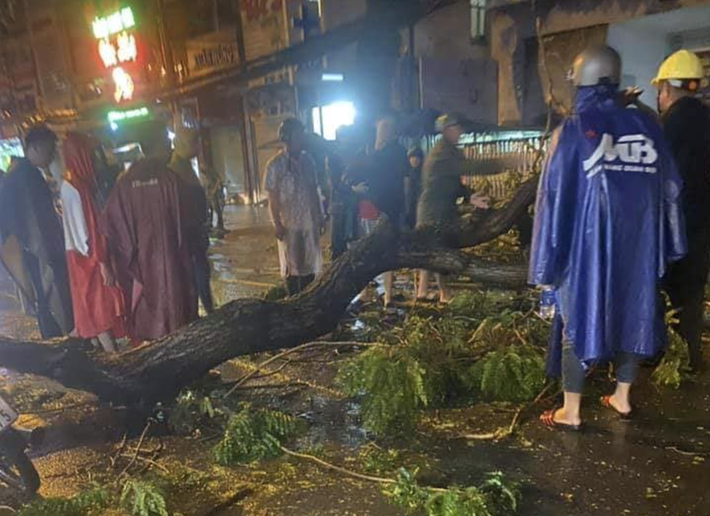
(656, 465)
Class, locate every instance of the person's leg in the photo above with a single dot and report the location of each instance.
(573, 376)
(444, 291)
(625, 367)
(202, 281)
(305, 281)
(685, 284)
(388, 280)
(293, 285)
(107, 342)
(423, 287)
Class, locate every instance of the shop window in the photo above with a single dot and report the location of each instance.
(478, 20)
(328, 119)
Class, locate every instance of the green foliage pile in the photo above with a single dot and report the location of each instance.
(141, 498)
(87, 503)
(495, 497)
(252, 435)
(514, 374)
(675, 365)
(478, 345)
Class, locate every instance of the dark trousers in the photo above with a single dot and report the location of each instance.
(573, 374)
(49, 328)
(685, 284)
(202, 273)
(296, 284)
(338, 231)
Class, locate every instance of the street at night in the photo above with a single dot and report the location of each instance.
(354, 257)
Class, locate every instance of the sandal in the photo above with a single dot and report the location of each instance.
(547, 418)
(606, 403)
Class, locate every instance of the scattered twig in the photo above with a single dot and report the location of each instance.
(148, 461)
(347, 472)
(7, 508)
(138, 450)
(505, 432)
(121, 446)
(288, 352)
(687, 453)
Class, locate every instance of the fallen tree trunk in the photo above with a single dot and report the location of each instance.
(160, 369)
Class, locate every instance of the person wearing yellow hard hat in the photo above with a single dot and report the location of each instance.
(686, 124)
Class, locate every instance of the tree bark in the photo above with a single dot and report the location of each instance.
(159, 370)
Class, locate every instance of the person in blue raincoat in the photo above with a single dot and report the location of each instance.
(608, 221)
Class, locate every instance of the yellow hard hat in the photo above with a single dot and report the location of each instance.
(682, 65)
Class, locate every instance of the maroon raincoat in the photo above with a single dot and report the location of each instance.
(144, 222)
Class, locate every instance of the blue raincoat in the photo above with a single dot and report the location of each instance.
(608, 220)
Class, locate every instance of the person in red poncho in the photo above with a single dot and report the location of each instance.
(147, 227)
(97, 301)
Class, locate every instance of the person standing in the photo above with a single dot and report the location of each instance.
(413, 185)
(608, 220)
(187, 147)
(443, 169)
(97, 301)
(295, 208)
(686, 124)
(144, 221)
(378, 181)
(32, 238)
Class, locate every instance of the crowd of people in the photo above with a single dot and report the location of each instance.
(623, 212)
(104, 264)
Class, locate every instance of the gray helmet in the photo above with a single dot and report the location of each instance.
(597, 65)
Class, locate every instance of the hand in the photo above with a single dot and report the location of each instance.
(361, 188)
(480, 201)
(107, 275)
(630, 95)
(280, 232)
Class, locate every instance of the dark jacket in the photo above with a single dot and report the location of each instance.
(383, 172)
(687, 129)
(33, 247)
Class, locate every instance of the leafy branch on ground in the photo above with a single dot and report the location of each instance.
(142, 498)
(675, 364)
(137, 498)
(252, 435)
(480, 345)
(495, 497)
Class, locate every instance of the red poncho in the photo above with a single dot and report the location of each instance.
(97, 308)
(144, 223)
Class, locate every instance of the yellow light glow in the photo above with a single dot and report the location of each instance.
(125, 86)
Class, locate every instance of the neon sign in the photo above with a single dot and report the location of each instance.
(114, 23)
(117, 48)
(124, 50)
(120, 116)
(125, 86)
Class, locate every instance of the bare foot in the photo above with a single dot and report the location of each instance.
(623, 407)
(561, 417)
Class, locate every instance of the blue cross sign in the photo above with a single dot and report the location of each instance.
(307, 23)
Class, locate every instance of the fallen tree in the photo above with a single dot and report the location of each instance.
(159, 370)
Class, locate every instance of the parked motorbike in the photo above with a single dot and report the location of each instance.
(16, 468)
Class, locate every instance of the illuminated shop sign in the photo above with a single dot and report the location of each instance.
(114, 117)
(117, 48)
(114, 23)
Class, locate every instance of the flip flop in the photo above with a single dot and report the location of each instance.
(547, 418)
(606, 403)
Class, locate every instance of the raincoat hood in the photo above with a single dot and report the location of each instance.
(603, 96)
